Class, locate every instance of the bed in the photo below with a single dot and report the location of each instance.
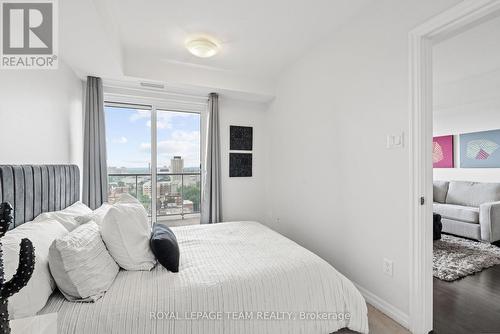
(235, 277)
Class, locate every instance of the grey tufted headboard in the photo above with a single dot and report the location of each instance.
(33, 189)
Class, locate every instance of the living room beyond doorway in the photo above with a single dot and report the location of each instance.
(466, 173)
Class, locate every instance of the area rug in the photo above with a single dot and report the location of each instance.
(455, 257)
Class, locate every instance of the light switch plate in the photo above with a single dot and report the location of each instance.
(395, 141)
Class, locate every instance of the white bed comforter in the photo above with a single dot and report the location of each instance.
(239, 277)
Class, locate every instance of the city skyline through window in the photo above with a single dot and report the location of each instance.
(128, 138)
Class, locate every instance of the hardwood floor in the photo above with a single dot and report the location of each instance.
(470, 305)
(380, 324)
(467, 306)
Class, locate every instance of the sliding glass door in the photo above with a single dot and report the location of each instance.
(178, 164)
(155, 155)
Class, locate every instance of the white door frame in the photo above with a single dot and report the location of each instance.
(439, 28)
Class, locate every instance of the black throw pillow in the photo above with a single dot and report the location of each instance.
(164, 246)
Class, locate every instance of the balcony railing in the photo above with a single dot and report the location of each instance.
(177, 194)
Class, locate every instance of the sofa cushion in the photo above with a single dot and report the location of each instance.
(440, 189)
(472, 193)
(457, 212)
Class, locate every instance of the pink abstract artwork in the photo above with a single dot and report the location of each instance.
(442, 152)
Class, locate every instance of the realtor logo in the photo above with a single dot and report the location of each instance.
(29, 34)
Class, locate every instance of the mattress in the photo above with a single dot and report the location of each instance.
(238, 277)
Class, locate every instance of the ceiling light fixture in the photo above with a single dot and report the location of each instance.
(202, 47)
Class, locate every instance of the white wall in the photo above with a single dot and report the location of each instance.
(41, 117)
(243, 198)
(333, 185)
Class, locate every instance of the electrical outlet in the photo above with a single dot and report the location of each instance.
(388, 267)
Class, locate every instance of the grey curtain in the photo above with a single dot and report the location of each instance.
(95, 176)
(211, 205)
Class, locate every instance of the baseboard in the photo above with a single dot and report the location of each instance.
(388, 309)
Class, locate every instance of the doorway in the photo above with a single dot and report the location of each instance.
(466, 167)
(422, 39)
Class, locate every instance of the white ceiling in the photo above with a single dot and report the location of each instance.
(467, 72)
(471, 53)
(259, 38)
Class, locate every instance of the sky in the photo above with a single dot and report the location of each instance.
(128, 137)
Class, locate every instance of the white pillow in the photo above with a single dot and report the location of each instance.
(33, 297)
(126, 231)
(66, 217)
(97, 215)
(81, 264)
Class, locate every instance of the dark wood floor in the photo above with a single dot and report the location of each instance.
(470, 305)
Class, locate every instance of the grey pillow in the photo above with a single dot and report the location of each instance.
(81, 265)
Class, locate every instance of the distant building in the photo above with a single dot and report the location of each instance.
(177, 167)
(162, 188)
(146, 188)
(115, 192)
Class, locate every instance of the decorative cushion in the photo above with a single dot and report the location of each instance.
(33, 297)
(440, 189)
(165, 248)
(66, 217)
(126, 231)
(81, 264)
(472, 193)
(466, 214)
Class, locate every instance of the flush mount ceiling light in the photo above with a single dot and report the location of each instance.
(202, 47)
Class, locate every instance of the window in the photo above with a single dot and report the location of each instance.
(173, 162)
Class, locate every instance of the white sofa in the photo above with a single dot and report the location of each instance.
(469, 209)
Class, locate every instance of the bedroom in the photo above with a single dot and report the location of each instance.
(322, 87)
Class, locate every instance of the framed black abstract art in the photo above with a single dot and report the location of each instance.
(240, 164)
(241, 138)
